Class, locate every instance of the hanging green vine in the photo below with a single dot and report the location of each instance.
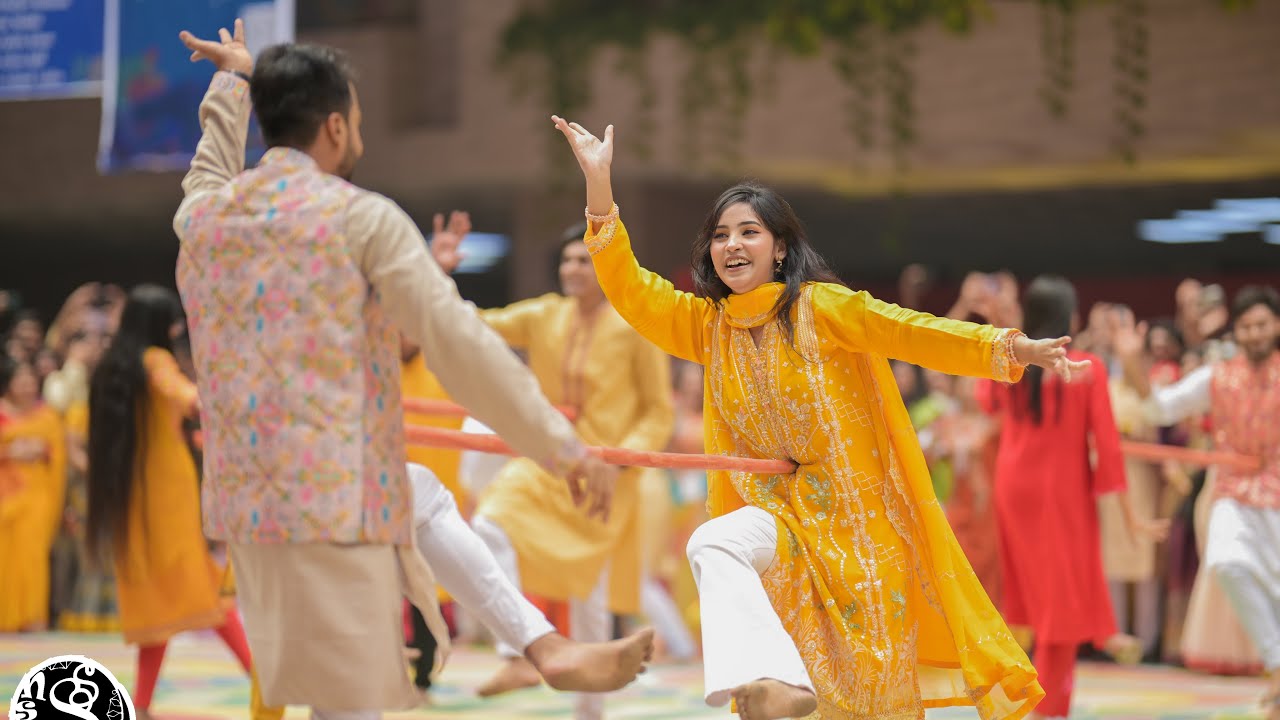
(1057, 49)
(854, 62)
(1131, 75)
(633, 64)
(869, 42)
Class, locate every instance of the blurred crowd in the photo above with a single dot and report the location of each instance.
(1159, 593)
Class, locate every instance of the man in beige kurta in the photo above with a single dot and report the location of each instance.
(296, 284)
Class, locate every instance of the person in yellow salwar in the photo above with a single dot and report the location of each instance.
(33, 447)
(838, 588)
(144, 495)
(587, 358)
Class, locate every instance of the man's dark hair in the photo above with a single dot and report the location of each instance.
(295, 88)
(572, 234)
(1253, 295)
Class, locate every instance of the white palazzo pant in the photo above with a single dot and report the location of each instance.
(466, 568)
(742, 637)
(1243, 555)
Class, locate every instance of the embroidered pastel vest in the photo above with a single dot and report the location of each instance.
(1246, 420)
(297, 365)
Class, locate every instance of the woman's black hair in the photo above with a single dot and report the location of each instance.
(1047, 309)
(117, 411)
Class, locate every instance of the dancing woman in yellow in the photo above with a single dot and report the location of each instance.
(838, 587)
(144, 495)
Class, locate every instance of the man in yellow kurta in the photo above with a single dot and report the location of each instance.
(587, 358)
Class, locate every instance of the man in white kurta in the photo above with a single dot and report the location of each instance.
(1242, 396)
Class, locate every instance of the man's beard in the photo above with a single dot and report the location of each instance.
(348, 167)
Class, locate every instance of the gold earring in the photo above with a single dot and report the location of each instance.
(778, 268)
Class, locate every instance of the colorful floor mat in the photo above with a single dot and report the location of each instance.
(201, 681)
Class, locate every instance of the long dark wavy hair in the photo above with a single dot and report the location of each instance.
(1048, 307)
(802, 263)
(117, 409)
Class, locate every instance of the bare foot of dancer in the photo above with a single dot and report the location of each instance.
(591, 667)
(769, 699)
(1124, 649)
(515, 674)
(571, 666)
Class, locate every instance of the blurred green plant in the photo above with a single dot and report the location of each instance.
(734, 45)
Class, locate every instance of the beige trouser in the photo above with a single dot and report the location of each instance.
(325, 622)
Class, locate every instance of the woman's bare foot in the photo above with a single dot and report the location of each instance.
(1124, 649)
(568, 665)
(515, 674)
(768, 699)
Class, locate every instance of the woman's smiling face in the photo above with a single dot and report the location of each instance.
(744, 252)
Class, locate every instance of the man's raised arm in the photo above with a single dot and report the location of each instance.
(224, 116)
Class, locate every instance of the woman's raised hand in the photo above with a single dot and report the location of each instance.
(594, 155)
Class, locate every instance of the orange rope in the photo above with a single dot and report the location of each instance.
(438, 437)
(452, 409)
(1202, 458)
(458, 440)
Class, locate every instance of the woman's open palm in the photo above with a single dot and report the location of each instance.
(594, 155)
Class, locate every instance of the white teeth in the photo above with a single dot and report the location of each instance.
(736, 263)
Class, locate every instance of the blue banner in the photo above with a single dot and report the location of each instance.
(50, 49)
(151, 90)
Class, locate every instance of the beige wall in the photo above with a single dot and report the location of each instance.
(1213, 112)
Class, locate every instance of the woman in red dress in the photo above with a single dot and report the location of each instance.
(1045, 499)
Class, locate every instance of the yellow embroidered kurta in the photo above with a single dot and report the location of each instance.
(31, 499)
(869, 581)
(620, 387)
(166, 580)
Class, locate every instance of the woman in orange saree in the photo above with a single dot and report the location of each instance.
(839, 587)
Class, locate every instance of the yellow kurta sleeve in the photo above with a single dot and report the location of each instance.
(678, 322)
(518, 322)
(858, 322)
(166, 378)
(652, 380)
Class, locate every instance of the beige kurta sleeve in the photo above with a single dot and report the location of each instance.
(224, 122)
(473, 363)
